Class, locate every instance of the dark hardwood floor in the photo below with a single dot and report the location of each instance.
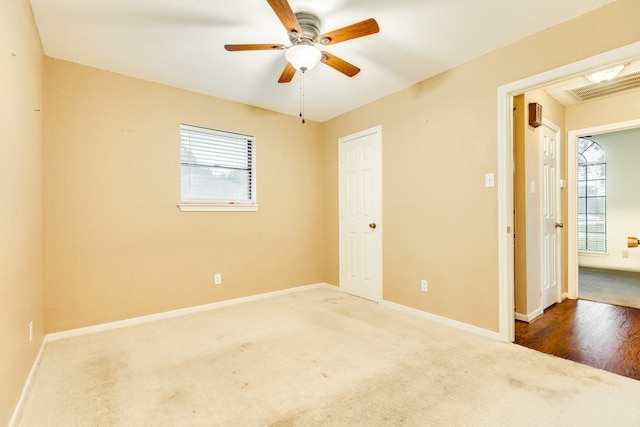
(601, 335)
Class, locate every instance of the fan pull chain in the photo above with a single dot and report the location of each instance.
(302, 96)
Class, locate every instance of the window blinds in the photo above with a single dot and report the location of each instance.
(592, 207)
(216, 166)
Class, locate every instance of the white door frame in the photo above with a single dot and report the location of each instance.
(376, 130)
(506, 317)
(572, 206)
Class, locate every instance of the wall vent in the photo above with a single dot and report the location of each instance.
(613, 87)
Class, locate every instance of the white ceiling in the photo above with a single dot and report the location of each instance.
(180, 43)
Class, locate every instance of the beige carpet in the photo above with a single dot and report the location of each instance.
(610, 286)
(315, 358)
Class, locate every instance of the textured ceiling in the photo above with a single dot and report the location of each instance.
(180, 43)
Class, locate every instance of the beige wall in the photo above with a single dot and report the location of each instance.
(439, 139)
(117, 245)
(21, 212)
(439, 219)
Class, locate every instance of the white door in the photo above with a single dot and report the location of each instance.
(360, 214)
(550, 222)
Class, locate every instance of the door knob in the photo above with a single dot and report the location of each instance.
(372, 225)
(559, 225)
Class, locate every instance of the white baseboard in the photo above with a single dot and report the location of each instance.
(179, 312)
(443, 320)
(17, 413)
(196, 309)
(521, 317)
(529, 317)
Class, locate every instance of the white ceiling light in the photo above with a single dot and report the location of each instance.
(303, 56)
(605, 75)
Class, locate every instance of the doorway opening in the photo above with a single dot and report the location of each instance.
(614, 264)
(506, 96)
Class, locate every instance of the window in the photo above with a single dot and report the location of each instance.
(592, 197)
(217, 170)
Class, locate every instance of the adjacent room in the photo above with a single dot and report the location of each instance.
(608, 271)
(345, 250)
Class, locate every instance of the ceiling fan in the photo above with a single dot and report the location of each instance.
(304, 33)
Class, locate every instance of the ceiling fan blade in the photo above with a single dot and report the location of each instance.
(353, 31)
(287, 74)
(341, 65)
(286, 15)
(237, 47)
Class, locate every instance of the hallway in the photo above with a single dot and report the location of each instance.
(600, 335)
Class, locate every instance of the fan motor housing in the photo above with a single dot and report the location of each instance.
(310, 25)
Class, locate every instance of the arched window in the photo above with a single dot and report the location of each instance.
(592, 197)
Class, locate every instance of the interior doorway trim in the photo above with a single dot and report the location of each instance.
(505, 167)
(572, 195)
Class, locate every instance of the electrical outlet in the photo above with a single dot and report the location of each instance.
(217, 279)
(424, 285)
(31, 331)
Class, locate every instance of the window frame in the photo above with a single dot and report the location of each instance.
(222, 204)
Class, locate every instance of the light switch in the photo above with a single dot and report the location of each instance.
(489, 180)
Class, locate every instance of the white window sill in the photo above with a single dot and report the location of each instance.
(212, 207)
(593, 254)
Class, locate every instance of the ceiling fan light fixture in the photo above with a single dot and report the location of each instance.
(303, 56)
(605, 75)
